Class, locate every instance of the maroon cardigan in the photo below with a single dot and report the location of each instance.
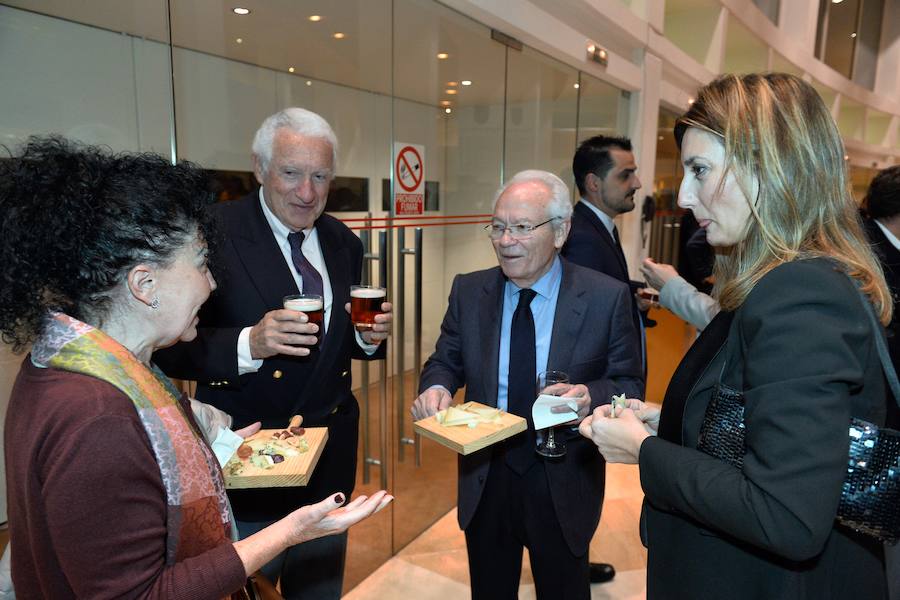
(87, 506)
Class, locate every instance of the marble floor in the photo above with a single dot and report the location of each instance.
(434, 567)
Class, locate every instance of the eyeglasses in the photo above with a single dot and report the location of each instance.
(517, 232)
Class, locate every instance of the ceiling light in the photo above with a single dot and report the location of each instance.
(315, 18)
(836, 1)
(661, 138)
(308, 82)
(466, 82)
(445, 103)
(576, 86)
(449, 92)
(853, 35)
(240, 40)
(290, 69)
(448, 110)
(239, 10)
(339, 36)
(443, 55)
(452, 84)
(690, 100)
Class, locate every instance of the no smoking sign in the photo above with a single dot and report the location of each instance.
(409, 179)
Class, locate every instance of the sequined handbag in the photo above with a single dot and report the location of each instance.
(870, 495)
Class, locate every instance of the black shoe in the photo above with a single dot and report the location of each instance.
(601, 572)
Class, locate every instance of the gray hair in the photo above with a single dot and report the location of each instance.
(300, 121)
(560, 208)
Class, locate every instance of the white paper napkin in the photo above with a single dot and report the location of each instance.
(542, 413)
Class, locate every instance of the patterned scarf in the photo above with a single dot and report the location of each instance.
(198, 516)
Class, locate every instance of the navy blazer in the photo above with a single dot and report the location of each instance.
(593, 340)
(253, 279)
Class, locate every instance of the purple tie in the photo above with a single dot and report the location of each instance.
(310, 278)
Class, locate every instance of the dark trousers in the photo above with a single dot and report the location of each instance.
(312, 570)
(517, 512)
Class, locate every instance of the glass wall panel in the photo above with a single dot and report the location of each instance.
(603, 109)
(744, 51)
(102, 77)
(769, 8)
(851, 119)
(449, 88)
(541, 114)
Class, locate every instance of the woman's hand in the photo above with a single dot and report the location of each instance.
(328, 517)
(657, 274)
(619, 439)
(249, 430)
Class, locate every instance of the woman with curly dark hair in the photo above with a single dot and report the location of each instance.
(113, 491)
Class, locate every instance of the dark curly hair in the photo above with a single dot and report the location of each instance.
(74, 219)
(883, 198)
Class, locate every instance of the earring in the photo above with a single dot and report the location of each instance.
(154, 304)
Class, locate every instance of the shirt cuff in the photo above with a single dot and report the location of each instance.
(367, 348)
(246, 362)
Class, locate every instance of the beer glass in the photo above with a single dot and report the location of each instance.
(312, 305)
(365, 303)
(554, 383)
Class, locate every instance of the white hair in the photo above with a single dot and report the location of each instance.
(300, 121)
(560, 208)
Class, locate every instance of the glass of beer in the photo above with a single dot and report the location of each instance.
(312, 305)
(554, 383)
(365, 303)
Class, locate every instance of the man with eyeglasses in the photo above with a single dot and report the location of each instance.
(533, 313)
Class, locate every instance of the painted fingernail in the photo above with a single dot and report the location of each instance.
(339, 499)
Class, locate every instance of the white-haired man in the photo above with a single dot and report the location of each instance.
(533, 313)
(260, 362)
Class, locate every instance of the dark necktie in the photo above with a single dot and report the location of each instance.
(618, 242)
(311, 279)
(522, 382)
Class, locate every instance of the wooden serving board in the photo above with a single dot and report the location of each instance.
(466, 440)
(295, 471)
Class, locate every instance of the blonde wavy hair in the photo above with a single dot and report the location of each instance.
(777, 131)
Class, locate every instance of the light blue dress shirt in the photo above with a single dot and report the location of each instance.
(543, 309)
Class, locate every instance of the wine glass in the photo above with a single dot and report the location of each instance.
(554, 383)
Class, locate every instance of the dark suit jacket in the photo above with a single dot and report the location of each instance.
(889, 257)
(590, 245)
(593, 340)
(254, 278)
(802, 351)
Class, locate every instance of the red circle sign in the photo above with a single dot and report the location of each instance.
(409, 169)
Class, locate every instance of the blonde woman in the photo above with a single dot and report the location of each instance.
(765, 176)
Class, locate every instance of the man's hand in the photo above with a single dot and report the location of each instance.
(429, 402)
(282, 331)
(582, 398)
(382, 327)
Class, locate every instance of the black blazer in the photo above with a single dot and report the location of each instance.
(593, 340)
(889, 257)
(253, 279)
(802, 350)
(590, 245)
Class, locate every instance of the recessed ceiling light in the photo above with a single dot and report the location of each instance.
(315, 18)
(449, 92)
(466, 82)
(443, 55)
(661, 138)
(576, 86)
(448, 110)
(452, 84)
(690, 100)
(339, 36)
(240, 40)
(239, 10)
(836, 1)
(853, 35)
(290, 69)
(445, 103)
(308, 82)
